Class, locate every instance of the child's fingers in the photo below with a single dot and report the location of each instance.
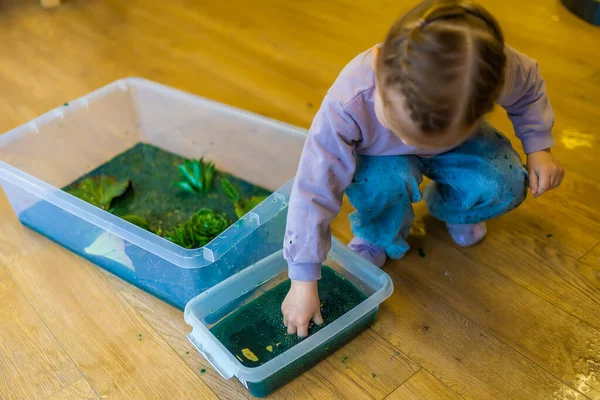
(557, 179)
(533, 182)
(285, 321)
(318, 318)
(303, 331)
(291, 328)
(544, 183)
(553, 181)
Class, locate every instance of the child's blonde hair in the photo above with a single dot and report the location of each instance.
(446, 57)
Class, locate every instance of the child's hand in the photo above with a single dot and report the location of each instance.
(545, 172)
(301, 305)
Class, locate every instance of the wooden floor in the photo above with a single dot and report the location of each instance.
(517, 317)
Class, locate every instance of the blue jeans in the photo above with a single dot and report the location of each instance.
(481, 179)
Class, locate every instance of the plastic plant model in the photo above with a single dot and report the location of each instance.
(197, 176)
(203, 227)
(100, 190)
(242, 206)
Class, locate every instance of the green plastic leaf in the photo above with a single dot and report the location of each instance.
(100, 190)
(254, 201)
(230, 191)
(242, 206)
(199, 175)
(137, 220)
(209, 175)
(203, 227)
(187, 175)
(196, 170)
(185, 186)
(239, 209)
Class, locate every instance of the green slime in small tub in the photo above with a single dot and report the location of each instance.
(255, 332)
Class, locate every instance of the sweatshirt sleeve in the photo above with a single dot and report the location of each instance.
(326, 168)
(525, 101)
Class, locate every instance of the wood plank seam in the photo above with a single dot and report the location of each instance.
(420, 287)
(581, 259)
(289, 46)
(449, 388)
(399, 352)
(50, 330)
(503, 222)
(432, 374)
(71, 385)
(438, 303)
(161, 337)
(465, 253)
(216, 394)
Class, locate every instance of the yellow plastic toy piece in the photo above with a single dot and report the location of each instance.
(249, 355)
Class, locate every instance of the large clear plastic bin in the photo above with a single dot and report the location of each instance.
(58, 147)
(212, 306)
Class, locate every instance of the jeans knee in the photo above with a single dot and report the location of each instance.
(518, 185)
(386, 178)
(503, 183)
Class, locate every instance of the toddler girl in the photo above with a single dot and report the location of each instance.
(415, 106)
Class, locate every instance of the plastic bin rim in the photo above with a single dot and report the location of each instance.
(132, 82)
(179, 256)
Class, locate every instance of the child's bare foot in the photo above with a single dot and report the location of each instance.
(466, 235)
(372, 253)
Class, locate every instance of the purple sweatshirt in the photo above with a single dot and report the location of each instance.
(346, 124)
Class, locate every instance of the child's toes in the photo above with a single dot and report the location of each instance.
(372, 253)
(466, 235)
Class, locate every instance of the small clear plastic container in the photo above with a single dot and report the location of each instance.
(60, 146)
(210, 307)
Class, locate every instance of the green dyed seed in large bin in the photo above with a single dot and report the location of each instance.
(139, 183)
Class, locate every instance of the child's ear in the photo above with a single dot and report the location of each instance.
(374, 55)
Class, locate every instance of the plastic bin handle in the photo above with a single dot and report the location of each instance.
(220, 364)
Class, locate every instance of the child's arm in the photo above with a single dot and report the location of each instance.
(524, 98)
(326, 168)
(527, 105)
